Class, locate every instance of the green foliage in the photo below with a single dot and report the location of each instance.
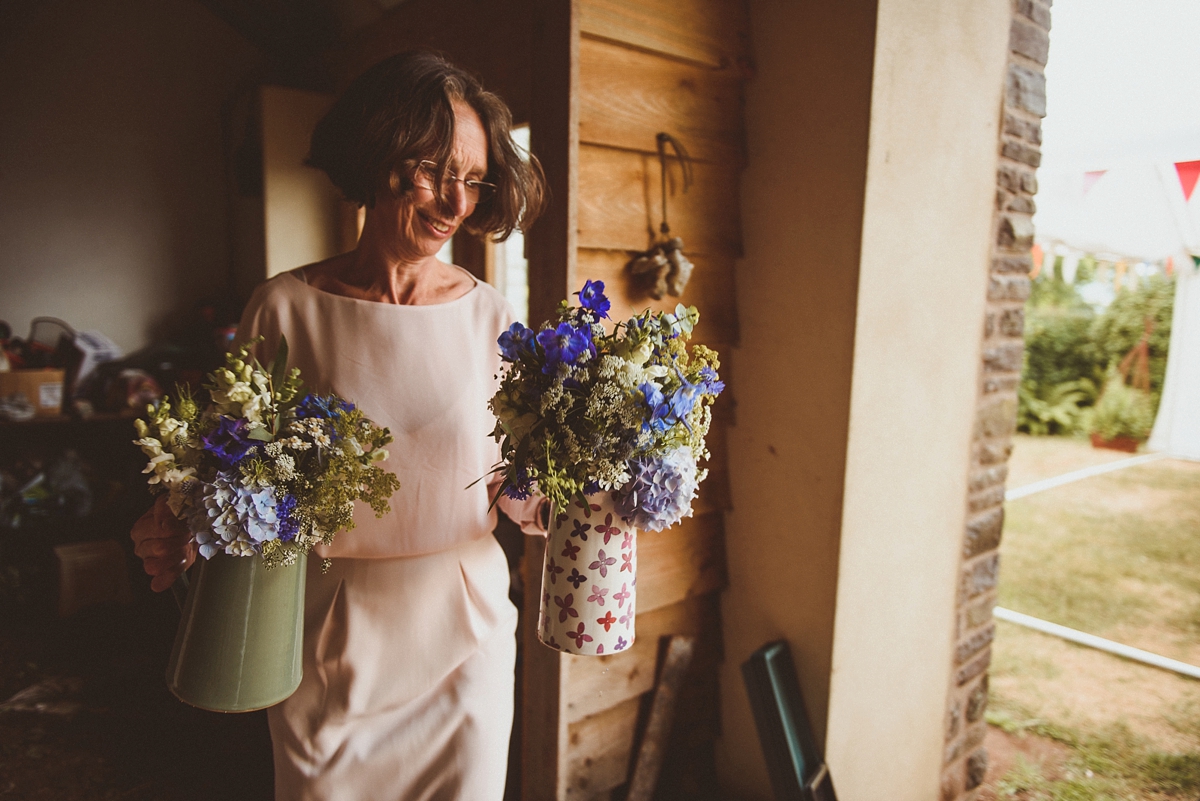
(1123, 324)
(1060, 412)
(1062, 368)
(1122, 411)
(1070, 350)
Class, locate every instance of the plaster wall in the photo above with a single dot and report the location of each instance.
(935, 113)
(114, 214)
(806, 114)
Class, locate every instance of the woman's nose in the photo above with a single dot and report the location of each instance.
(456, 199)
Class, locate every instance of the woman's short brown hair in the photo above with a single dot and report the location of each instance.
(400, 112)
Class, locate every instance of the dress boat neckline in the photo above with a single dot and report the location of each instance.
(303, 280)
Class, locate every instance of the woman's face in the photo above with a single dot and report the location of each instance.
(417, 224)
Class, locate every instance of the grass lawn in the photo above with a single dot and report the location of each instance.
(1117, 555)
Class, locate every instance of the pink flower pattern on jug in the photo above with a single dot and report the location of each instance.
(602, 563)
(570, 549)
(607, 620)
(597, 596)
(566, 607)
(579, 637)
(553, 570)
(607, 528)
(620, 597)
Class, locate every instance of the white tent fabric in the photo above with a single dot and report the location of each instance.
(1177, 426)
(1136, 211)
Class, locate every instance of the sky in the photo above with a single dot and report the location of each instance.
(1122, 83)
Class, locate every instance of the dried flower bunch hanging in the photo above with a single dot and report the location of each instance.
(664, 267)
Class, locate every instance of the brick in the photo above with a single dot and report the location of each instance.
(974, 644)
(980, 612)
(953, 783)
(1029, 41)
(1015, 232)
(972, 738)
(981, 576)
(1019, 151)
(977, 702)
(1004, 358)
(985, 500)
(1026, 89)
(1029, 130)
(1009, 177)
(1012, 322)
(973, 668)
(1029, 183)
(990, 477)
(976, 768)
(1021, 203)
(1012, 264)
(1035, 12)
(983, 531)
(996, 419)
(989, 453)
(998, 383)
(1006, 288)
(954, 716)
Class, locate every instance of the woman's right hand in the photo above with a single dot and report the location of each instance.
(164, 544)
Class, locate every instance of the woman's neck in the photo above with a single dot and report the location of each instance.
(372, 273)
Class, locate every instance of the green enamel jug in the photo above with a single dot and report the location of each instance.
(239, 643)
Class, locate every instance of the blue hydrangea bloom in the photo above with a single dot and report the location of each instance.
(592, 298)
(515, 341)
(229, 516)
(563, 345)
(661, 491)
(228, 441)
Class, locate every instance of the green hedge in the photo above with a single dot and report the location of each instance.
(1070, 348)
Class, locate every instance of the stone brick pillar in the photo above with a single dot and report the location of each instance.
(1000, 373)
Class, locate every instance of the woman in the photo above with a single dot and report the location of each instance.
(408, 643)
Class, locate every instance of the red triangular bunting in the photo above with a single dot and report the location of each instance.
(1090, 178)
(1188, 172)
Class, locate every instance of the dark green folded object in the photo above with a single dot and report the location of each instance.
(794, 761)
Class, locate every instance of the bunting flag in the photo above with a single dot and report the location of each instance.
(1196, 261)
(1038, 256)
(1188, 172)
(1090, 178)
(1169, 266)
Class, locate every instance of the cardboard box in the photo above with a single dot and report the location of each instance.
(42, 388)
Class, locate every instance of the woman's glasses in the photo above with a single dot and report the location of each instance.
(476, 191)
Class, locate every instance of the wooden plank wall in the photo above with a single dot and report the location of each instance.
(640, 67)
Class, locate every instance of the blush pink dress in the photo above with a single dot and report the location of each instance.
(409, 642)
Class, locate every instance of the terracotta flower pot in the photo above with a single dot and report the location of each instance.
(1122, 443)
(238, 647)
(589, 579)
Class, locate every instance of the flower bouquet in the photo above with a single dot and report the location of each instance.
(609, 427)
(259, 475)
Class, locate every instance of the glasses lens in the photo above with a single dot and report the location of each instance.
(478, 191)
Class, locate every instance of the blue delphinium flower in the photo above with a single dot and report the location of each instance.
(516, 341)
(709, 382)
(325, 407)
(228, 441)
(660, 411)
(661, 491)
(592, 298)
(289, 526)
(563, 345)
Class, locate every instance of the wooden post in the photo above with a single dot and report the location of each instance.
(550, 248)
(677, 658)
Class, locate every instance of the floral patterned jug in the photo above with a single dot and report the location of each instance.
(589, 579)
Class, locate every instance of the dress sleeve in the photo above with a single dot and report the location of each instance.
(528, 514)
